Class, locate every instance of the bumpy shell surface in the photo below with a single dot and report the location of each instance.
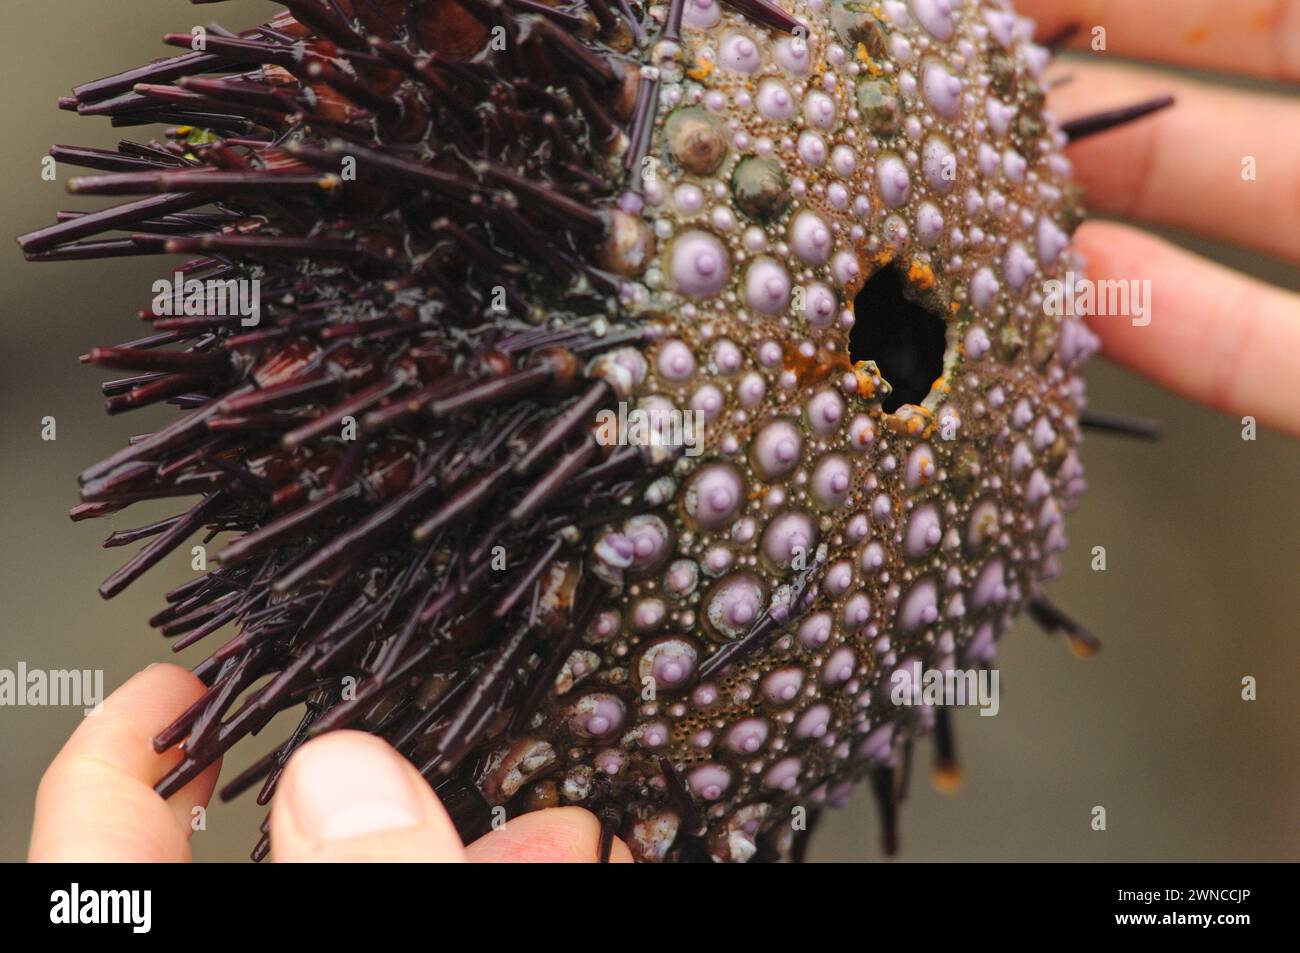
(785, 172)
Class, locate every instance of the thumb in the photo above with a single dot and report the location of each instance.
(348, 796)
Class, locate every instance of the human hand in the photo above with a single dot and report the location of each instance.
(1216, 336)
(344, 796)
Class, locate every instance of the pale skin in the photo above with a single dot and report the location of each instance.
(1217, 337)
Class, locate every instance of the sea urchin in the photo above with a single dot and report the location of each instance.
(503, 247)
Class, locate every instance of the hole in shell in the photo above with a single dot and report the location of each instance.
(905, 337)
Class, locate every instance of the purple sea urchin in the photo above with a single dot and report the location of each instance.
(824, 232)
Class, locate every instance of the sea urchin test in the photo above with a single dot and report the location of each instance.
(487, 234)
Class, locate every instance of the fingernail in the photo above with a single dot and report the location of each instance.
(342, 790)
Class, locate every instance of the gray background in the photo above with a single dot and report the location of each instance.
(1200, 531)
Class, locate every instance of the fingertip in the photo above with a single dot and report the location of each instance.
(122, 731)
(1208, 333)
(96, 801)
(554, 835)
(149, 700)
(349, 796)
(189, 804)
(1050, 16)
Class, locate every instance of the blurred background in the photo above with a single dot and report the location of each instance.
(1200, 531)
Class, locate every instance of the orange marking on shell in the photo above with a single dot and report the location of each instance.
(818, 367)
(866, 382)
(920, 275)
(700, 70)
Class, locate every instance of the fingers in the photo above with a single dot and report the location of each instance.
(1220, 163)
(348, 796)
(1214, 335)
(345, 796)
(1257, 37)
(557, 835)
(96, 801)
